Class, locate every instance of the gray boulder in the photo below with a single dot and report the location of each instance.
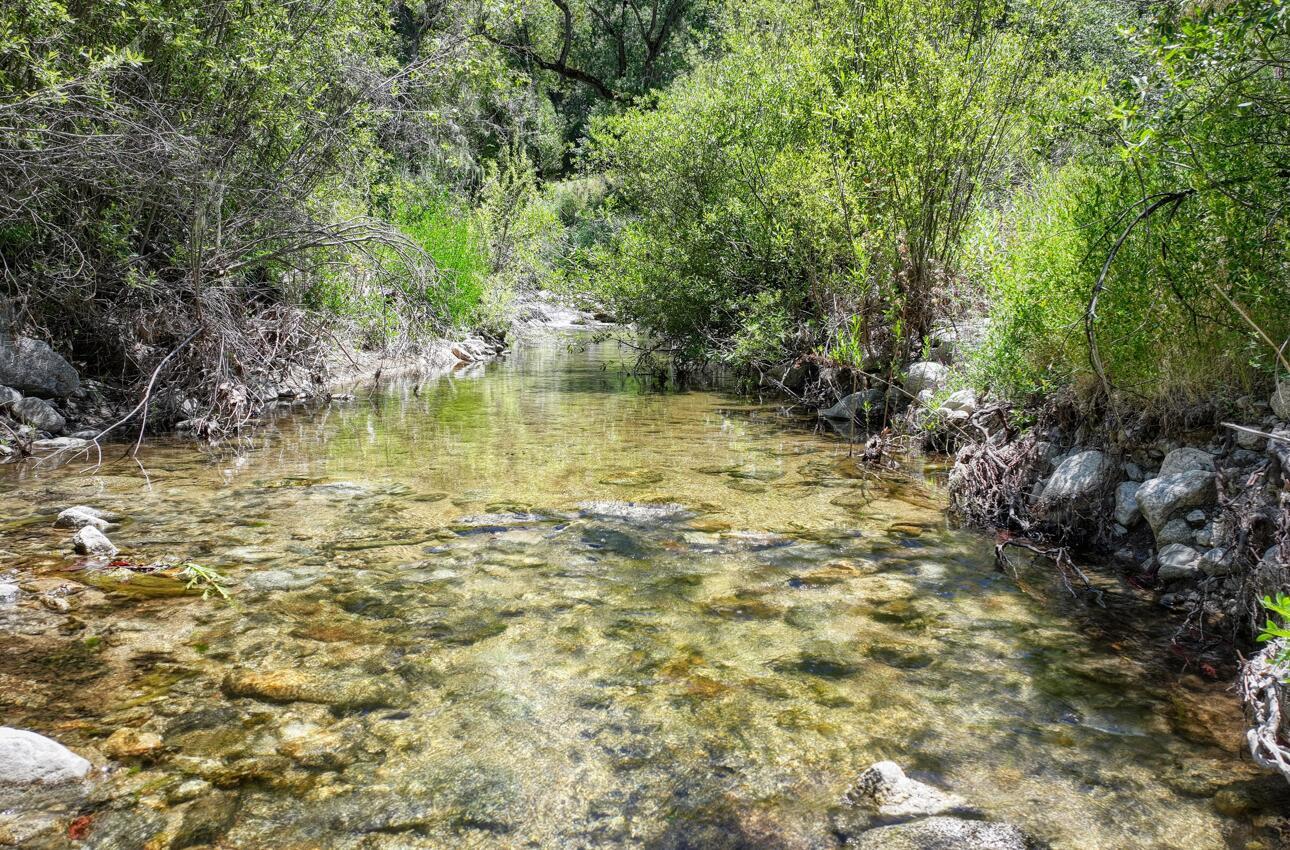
(1218, 562)
(1177, 561)
(944, 833)
(1079, 476)
(30, 759)
(90, 541)
(964, 400)
(1175, 531)
(33, 367)
(887, 791)
(1126, 504)
(8, 395)
(1161, 497)
(1279, 445)
(59, 444)
(925, 376)
(1186, 459)
(39, 414)
(1280, 400)
(80, 516)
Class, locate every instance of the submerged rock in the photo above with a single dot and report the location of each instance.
(30, 759)
(944, 833)
(335, 688)
(270, 580)
(856, 405)
(59, 444)
(132, 743)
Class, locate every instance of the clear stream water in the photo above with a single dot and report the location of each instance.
(543, 607)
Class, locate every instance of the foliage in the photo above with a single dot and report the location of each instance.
(1187, 170)
(829, 157)
(207, 579)
(593, 53)
(1277, 631)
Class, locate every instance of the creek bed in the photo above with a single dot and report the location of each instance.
(543, 607)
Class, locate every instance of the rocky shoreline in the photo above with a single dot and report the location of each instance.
(1196, 512)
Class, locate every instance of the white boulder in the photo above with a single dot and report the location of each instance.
(30, 759)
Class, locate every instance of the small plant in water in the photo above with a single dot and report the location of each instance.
(1274, 631)
(208, 579)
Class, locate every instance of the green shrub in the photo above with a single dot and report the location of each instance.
(825, 163)
(451, 238)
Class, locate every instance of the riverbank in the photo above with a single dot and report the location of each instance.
(55, 412)
(1193, 508)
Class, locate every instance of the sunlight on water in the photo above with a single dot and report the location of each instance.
(544, 608)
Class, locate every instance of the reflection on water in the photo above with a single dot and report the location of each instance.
(542, 608)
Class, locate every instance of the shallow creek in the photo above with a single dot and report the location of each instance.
(542, 607)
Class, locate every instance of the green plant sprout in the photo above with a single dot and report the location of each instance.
(1272, 631)
(208, 579)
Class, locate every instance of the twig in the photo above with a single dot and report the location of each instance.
(143, 402)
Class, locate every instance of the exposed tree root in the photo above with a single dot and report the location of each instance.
(1263, 689)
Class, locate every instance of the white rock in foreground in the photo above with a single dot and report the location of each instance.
(885, 787)
(30, 759)
(81, 516)
(90, 541)
(943, 834)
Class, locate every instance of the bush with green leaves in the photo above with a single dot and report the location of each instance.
(1153, 263)
(1273, 630)
(826, 162)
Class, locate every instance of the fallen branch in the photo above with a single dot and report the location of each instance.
(1059, 555)
(143, 402)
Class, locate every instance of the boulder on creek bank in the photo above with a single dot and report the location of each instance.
(30, 759)
(1160, 498)
(925, 376)
(1126, 504)
(32, 367)
(39, 414)
(1079, 477)
(1178, 561)
(1281, 401)
(349, 690)
(1186, 459)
